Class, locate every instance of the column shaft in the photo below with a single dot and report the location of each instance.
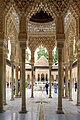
(78, 78)
(23, 109)
(50, 69)
(16, 76)
(12, 81)
(70, 89)
(20, 80)
(62, 80)
(66, 81)
(59, 110)
(1, 78)
(32, 72)
(4, 81)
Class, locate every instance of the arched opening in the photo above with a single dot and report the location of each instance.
(41, 30)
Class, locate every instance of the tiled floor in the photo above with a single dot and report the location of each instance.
(71, 111)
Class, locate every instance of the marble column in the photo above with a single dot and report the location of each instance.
(23, 107)
(2, 26)
(78, 78)
(1, 78)
(66, 81)
(50, 79)
(16, 79)
(70, 89)
(20, 81)
(62, 79)
(59, 109)
(12, 67)
(20, 63)
(12, 80)
(32, 73)
(4, 98)
(50, 69)
(63, 73)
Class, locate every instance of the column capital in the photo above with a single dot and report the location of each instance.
(22, 24)
(60, 37)
(32, 63)
(78, 52)
(60, 44)
(23, 32)
(32, 57)
(23, 44)
(50, 62)
(12, 58)
(3, 43)
(22, 36)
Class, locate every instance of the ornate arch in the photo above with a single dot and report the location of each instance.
(34, 8)
(47, 42)
(9, 5)
(11, 24)
(73, 9)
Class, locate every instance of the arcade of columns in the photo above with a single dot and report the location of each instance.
(18, 34)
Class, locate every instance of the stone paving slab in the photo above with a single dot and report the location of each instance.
(72, 112)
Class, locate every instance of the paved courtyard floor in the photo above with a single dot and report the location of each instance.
(49, 105)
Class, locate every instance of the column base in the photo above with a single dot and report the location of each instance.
(11, 99)
(59, 112)
(70, 99)
(20, 94)
(66, 96)
(50, 96)
(23, 111)
(32, 96)
(17, 96)
(5, 103)
(2, 111)
(63, 97)
(78, 104)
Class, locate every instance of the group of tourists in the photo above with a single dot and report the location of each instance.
(54, 85)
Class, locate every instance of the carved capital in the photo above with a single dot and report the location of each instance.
(12, 58)
(78, 44)
(22, 36)
(23, 44)
(60, 45)
(50, 63)
(1, 35)
(60, 37)
(78, 54)
(32, 63)
(3, 44)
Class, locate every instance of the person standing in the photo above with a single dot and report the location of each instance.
(75, 86)
(46, 86)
